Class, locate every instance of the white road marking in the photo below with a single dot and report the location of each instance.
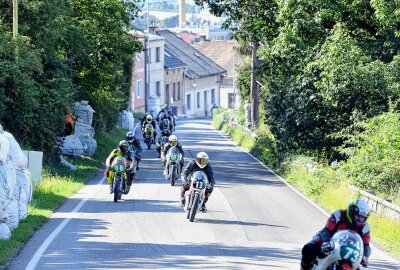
(39, 253)
(295, 190)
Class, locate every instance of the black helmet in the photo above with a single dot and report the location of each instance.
(358, 213)
(130, 136)
(123, 146)
(166, 132)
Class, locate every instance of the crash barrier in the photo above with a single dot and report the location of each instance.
(377, 204)
(82, 142)
(15, 184)
(233, 124)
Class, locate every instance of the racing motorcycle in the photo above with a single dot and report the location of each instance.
(347, 252)
(163, 142)
(197, 194)
(172, 166)
(122, 170)
(148, 135)
(166, 124)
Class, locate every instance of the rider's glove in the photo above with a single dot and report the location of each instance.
(110, 168)
(364, 261)
(327, 247)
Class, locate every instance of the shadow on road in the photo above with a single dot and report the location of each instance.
(236, 222)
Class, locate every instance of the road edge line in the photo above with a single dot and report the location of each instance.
(39, 253)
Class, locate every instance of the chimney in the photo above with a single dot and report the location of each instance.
(182, 13)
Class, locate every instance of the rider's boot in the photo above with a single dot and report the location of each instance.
(182, 200)
(111, 188)
(304, 266)
(203, 208)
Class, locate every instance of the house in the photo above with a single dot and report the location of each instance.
(223, 53)
(156, 61)
(138, 82)
(202, 77)
(174, 80)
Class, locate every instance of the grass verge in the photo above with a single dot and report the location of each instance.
(328, 188)
(58, 183)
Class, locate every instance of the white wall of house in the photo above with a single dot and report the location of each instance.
(199, 94)
(227, 95)
(157, 44)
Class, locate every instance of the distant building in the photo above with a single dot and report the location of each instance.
(222, 52)
(203, 77)
(137, 94)
(174, 82)
(156, 47)
(190, 37)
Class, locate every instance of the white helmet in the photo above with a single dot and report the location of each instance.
(202, 159)
(173, 140)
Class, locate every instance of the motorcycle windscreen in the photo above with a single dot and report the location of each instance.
(351, 247)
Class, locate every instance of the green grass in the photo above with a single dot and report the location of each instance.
(236, 133)
(328, 188)
(58, 183)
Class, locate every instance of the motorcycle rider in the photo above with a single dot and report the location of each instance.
(170, 115)
(134, 142)
(164, 132)
(353, 218)
(149, 120)
(144, 118)
(200, 163)
(169, 126)
(173, 141)
(121, 151)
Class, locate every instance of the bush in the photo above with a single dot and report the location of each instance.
(374, 162)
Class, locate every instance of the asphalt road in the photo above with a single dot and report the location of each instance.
(254, 220)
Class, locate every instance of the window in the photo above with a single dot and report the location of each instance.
(173, 91)
(158, 54)
(212, 95)
(158, 92)
(167, 94)
(138, 56)
(139, 88)
(179, 90)
(231, 100)
(198, 100)
(188, 102)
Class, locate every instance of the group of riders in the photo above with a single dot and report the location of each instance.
(354, 218)
(130, 150)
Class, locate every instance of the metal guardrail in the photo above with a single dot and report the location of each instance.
(233, 124)
(377, 204)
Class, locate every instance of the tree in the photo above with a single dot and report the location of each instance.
(253, 22)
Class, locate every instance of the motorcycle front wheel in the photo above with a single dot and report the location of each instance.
(172, 176)
(117, 183)
(195, 205)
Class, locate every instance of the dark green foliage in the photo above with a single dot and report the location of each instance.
(374, 162)
(67, 51)
(244, 82)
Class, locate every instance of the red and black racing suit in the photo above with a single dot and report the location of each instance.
(337, 221)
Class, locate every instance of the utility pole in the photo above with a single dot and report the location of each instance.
(147, 69)
(254, 92)
(15, 18)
